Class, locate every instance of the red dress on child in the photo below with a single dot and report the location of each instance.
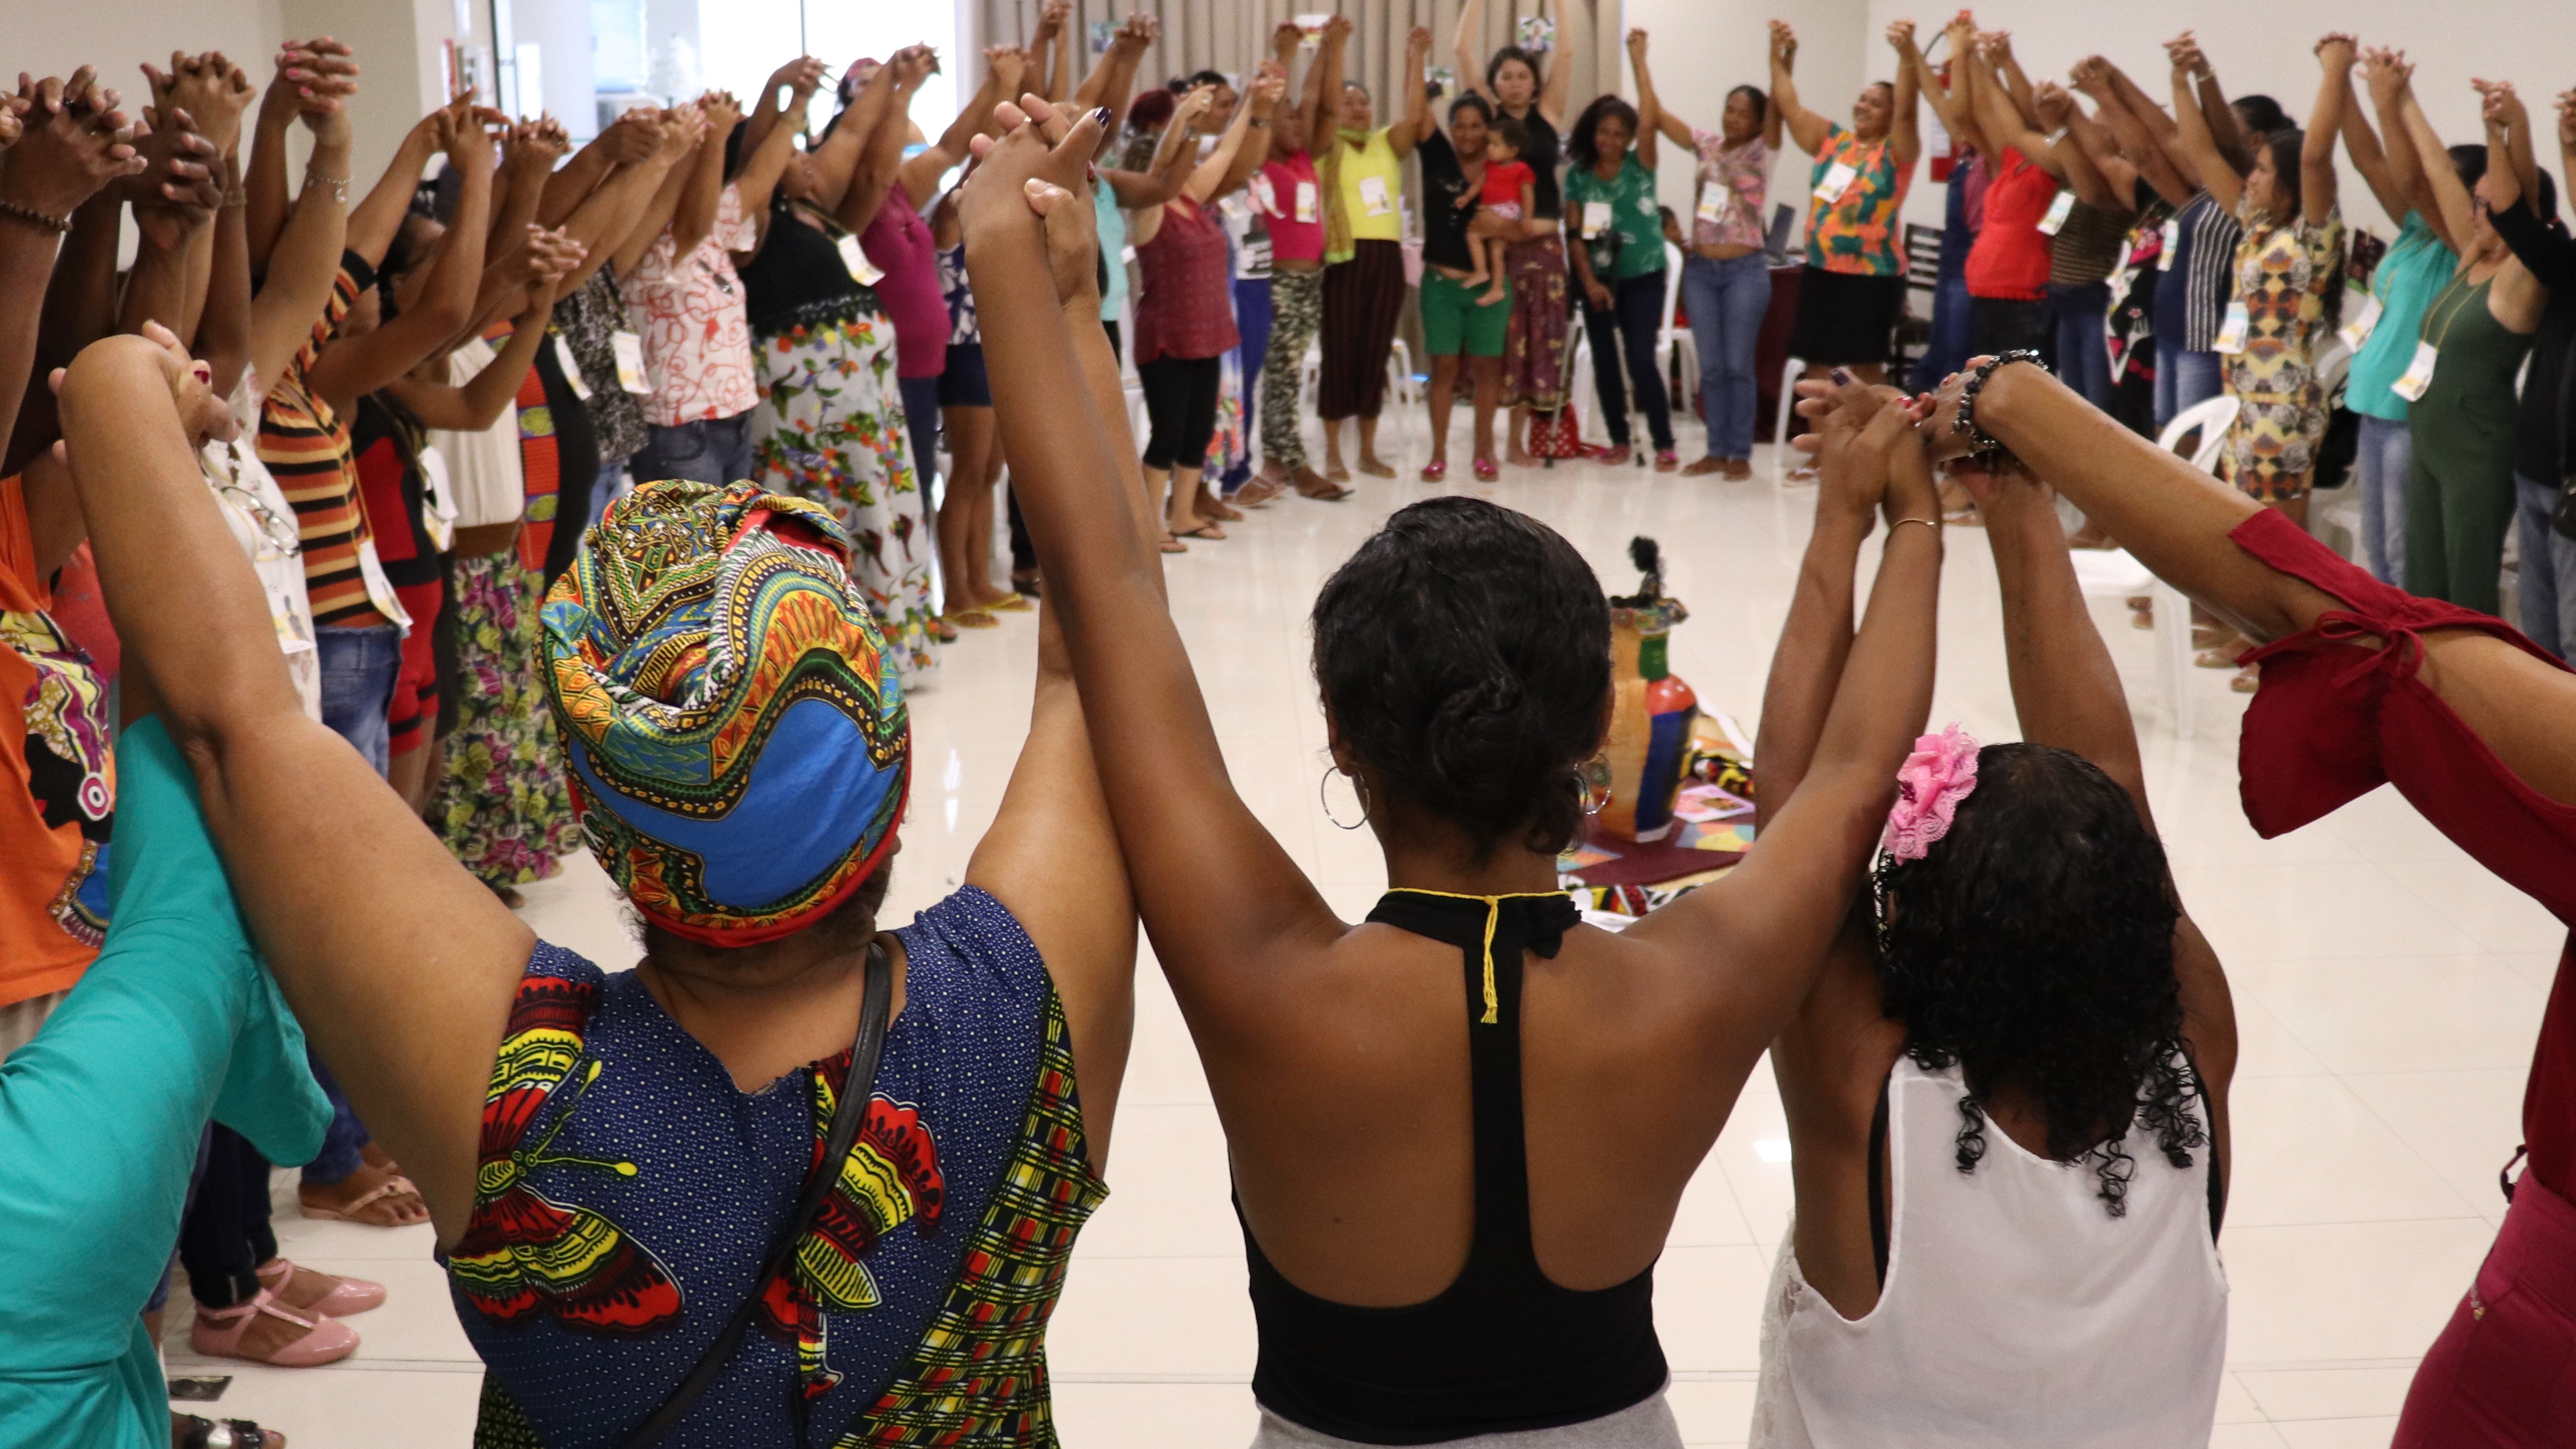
(2336, 718)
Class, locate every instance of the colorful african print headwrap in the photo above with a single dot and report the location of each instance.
(738, 739)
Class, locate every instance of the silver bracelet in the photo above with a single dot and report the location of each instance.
(1933, 524)
(339, 184)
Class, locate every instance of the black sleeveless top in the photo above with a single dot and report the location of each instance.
(1501, 1348)
(1546, 157)
(797, 278)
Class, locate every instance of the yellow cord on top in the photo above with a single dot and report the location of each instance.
(1493, 918)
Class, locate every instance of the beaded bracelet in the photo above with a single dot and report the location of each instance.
(1981, 443)
(339, 186)
(58, 225)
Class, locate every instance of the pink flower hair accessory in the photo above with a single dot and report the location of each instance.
(1929, 786)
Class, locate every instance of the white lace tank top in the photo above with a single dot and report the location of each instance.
(2016, 1312)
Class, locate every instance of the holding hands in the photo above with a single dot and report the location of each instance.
(1040, 165)
(2386, 73)
(315, 79)
(73, 144)
(1900, 36)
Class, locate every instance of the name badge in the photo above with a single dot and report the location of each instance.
(1265, 194)
(1838, 178)
(2364, 321)
(1596, 218)
(2173, 239)
(1712, 206)
(2419, 374)
(2058, 211)
(630, 361)
(855, 259)
(571, 368)
(1373, 198)
(1306, 201)
(2231, 333)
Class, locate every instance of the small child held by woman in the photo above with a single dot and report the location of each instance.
(1510, 192)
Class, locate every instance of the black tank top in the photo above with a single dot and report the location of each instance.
(1501, 1348)
(797, 278)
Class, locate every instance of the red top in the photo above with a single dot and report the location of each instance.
(2335, 719)
(2010, 260)
(1503, 182)
(1187, 308)
(1292, 207)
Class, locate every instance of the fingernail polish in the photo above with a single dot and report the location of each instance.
(1841, 377)
(1100, 114)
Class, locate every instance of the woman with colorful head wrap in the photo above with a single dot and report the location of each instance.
(599, 1149)
(1464, 658)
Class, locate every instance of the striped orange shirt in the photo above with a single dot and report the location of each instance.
(305, 444)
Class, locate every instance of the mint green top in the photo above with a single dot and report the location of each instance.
(100, 1115)
(1636, 231)
(2416, 267)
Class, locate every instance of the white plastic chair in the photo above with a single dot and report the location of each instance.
(1674, 342)
(1780, 461)
(2116, 574)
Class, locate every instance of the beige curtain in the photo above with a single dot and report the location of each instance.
(1233, 35)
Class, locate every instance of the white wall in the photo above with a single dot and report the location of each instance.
(48, 38)
(1701, 49)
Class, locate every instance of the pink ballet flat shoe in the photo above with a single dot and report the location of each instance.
(348, 1296)
(1616, 454)
(1435, 470)
(1666, 460)
(218, 1334)
(1485, 470)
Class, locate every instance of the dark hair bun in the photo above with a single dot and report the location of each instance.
(1464, 652)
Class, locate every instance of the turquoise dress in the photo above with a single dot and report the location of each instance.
(100, 1115)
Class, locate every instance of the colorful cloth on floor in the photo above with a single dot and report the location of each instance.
(629, 1192)
(1534, 345)
(830, 427)
(739, 747)
(500, 800)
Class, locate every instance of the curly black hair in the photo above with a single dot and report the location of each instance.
(1464, 652)
(2032, 945)
(1583, 142)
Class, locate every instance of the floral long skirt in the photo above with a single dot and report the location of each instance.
(830, 427)
(1229, 459)
(1534, 344)
(500, 802)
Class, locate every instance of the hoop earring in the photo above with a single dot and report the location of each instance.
(1592, 784)
(1324, 799)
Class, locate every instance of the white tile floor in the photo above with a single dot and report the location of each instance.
(2388, 991)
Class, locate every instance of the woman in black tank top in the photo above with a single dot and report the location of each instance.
(1458, 1130)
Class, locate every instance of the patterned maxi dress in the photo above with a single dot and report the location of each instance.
(2282, 273)
(830, 425)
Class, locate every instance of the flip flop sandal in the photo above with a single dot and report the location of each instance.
(2216, 658)
(1330, 492)
(969, 619)
(1485, 470)
(1015, 604)
(1435, 470)
(205, 1433)
(1207, 530)
(2247, 680)
(1224, 514)
(1258, 492)
(393, 1186)
(1170, 544)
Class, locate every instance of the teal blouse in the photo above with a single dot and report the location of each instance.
(1632, 245)
(100, 1115)
(2406, 280)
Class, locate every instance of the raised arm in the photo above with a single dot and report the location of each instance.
(683, 130)
(1649, 120)
(405, 998)
(223, 338)
(920, 174)
(2508, 126)
(1946, 104)
(2450, 198)
(479, 403)
(605, 218)
(765, 159)
(529, 150)
(2317, 178)
(1905, 129)
(305, 263)
(64, 156)
(1053, 43)
(1651, 115)
(1768, 924)
(1806, 128)
(1260, 104)
(2230, 137)
(702, 194)
(1464, 45)
(2101, 152)
(2388, 186)
(374, 220)
(801, 76)
(2006, 123)
(2388, 77)
(2197, 142)
(2091, 184)
(1166, 176)
(350, 366)
(874, 176)
(1416, 122)
(1554, 96)
(313, 76)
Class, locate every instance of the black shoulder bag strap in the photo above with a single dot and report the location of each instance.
(847, 1114)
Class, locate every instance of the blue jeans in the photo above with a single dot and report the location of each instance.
(1629, 329)
(2547, 591)
(1726, 302)
(2185, 378)
(612, 485)
(1949, 349)
(359, 667)
(2075, 318)
(358, 671)
(711, 450)
(2385, 458)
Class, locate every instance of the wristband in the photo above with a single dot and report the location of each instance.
(1982, 444)
(58, 225)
